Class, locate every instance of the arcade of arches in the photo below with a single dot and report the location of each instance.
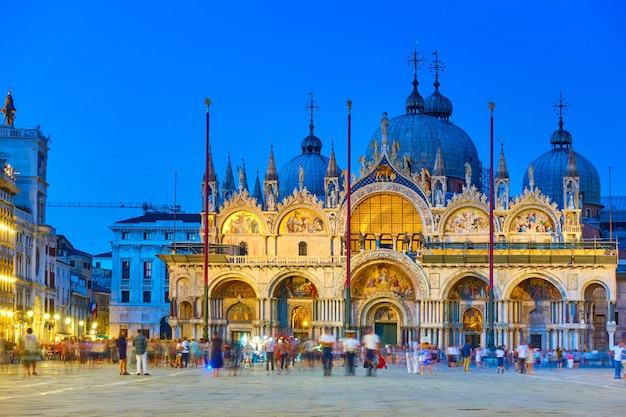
(417, 270)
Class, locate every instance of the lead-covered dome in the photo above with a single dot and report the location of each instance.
(550, 168)
(419, 135)
(311, 163)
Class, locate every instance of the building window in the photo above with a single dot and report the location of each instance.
(169, 236)
(86, 265)
(147, 297)
(125, 269)
(73, 263)
(302, 248)
(191, 236)
(166, 274)
(125, 296)
(147, 270)
(125, 235)
(167, 296)
(147, 235)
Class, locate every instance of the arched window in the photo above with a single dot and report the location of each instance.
(302, 248)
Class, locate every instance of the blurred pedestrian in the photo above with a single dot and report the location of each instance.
(121, 348)
(141, 344)
(217, 361)
(350, 347)
(31, 352)
(327, 340)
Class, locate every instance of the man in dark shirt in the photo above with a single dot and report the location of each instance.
(141, 343)
(467, 356)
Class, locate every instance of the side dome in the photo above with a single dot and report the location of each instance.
(551, 167)
(314, 166)
(438, 105)
(420, 135)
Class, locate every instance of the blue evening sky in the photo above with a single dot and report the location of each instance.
(119, 86)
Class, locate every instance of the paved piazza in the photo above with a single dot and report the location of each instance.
(70, 390)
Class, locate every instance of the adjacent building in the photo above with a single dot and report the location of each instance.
(140, 287)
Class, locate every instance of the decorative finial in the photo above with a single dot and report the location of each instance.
(561, 107)
(349, 104)
(436, 67)
(207, 103)
(492, 105)
(414, 59)
(312, 108)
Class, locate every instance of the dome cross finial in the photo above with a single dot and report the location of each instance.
(561, 106)
(436, 67)
(414, 59)
(312, 108)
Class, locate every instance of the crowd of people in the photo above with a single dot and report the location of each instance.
(283, 353)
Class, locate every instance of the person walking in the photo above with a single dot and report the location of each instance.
(141, 344)
(500, 359)
(617, 352)
(427, 358)
(371, 342)
(350, 348)
(327, 340)
(268, 347)
(184, 350)
(522, 355)
(412, 356)
(467, 357)
(121, 344)
(31, 352)
(217, 361)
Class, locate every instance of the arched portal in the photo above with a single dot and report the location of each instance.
(235, 301)
(293, 300)
(596, 314)
(536, 313)
(386, 318)
(464, 307)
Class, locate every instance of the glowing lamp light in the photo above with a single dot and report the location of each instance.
(30, 313)
(56, 316)
(46, 316)
(68, 320)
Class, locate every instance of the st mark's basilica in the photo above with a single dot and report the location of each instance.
(418, 246)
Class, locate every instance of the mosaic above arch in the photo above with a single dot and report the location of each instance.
(295, 287)
(469, 288)
(382, 277)
(467, 220)
(531, 221)
(242, 222)
(534, 289)
(301, 221)
(234, 289)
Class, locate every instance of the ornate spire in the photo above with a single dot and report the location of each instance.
(561, 137)
(212, 176)
(439, 169)
(332, 170)
(572, 170)
(415, 102)
(271, 174)
(9, 109)
(228, 186)
(502, 172)
(243, 177)
(257, 193)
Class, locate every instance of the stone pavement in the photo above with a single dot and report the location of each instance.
(72, 390)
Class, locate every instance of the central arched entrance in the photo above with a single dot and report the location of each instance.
(386, 320)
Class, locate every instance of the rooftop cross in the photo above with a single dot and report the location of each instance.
(414, 59)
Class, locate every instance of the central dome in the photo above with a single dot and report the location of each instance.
(420, 135)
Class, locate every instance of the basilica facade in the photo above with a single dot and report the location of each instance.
(419, 263)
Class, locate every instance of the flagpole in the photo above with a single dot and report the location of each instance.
(205, 305)
(490, 302)
(348, 323)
